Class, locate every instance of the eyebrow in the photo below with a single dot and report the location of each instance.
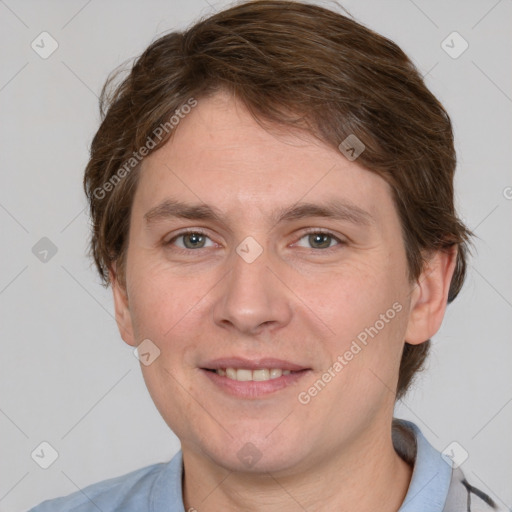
(335, 209)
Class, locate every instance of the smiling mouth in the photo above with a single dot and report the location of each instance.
(246, 374)
(253, 378)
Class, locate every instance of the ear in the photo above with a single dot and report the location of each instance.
(429, 297)
(122, 310)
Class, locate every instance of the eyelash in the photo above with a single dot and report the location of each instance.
(308, 231)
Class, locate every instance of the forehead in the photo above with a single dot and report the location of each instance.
(221, 157)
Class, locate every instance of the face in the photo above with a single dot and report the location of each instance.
(270, 273)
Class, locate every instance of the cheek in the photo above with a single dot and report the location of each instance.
(158, 300)
(367, 313)
(353, 299)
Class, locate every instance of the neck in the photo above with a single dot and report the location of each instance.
(339, 481)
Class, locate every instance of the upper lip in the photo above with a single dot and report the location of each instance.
(252, 364)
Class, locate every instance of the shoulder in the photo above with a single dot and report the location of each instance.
(462, 495)
(129, 492)
(436, 485)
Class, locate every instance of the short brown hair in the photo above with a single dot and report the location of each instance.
(303, 67)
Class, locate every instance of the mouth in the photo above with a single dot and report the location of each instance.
(253, 378)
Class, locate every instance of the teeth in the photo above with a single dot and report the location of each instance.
(275, 373)
(261, 374)
(245, 375)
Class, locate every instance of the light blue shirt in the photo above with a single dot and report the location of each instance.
(157, 488)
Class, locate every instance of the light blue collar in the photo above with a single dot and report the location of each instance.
(431, 476)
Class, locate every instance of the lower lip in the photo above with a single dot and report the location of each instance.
(253, 388)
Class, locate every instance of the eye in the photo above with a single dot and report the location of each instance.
(195, 239)
(320, 239)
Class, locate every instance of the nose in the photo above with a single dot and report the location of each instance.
(252, 298)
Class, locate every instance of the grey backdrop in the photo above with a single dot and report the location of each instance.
(66, 376)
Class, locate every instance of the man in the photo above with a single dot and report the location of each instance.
(272, 202)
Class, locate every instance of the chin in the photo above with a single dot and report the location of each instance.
(258, 454)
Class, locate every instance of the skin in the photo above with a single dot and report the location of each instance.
(295, 301)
